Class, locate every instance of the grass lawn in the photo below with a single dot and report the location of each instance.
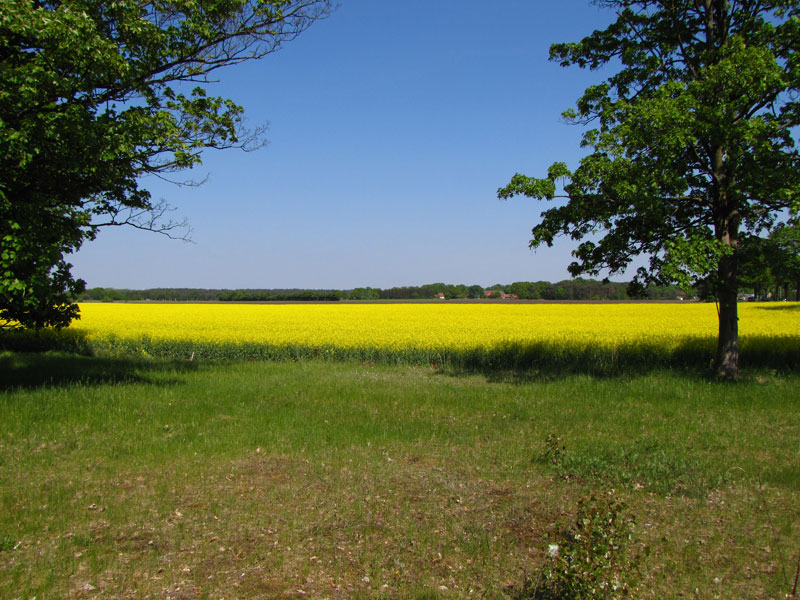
(124, 478)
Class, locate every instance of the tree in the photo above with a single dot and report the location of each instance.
(786, 239)
(94, 96)
(475, 291)
(364, 293)
(691, 144)
(769, 263)
(757, 257)
(522, 289)
(458, 290)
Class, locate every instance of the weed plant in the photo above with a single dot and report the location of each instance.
(587, 560)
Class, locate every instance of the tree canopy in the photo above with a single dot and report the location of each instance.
(96, 95)
(773, 262)
(690, 144)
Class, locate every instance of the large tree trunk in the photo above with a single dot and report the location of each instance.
(726, 363)
(726, 230)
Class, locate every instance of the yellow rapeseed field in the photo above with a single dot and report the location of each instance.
(446, 326)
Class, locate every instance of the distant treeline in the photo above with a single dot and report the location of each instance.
(272, 296)
(158, 294)
(570, 289)
(584, 289)
(208, 295)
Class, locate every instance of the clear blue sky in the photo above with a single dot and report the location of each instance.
(392, 124)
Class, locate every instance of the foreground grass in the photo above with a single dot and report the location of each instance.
(142, 478)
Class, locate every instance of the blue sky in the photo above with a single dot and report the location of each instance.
(391, 126)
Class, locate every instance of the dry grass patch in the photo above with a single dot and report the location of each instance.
(274, 526)
(382, 525)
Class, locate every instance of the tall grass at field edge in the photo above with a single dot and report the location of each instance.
(757, 351)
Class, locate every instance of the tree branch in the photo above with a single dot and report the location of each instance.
(150, 219)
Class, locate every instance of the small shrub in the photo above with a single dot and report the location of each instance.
(589, 559)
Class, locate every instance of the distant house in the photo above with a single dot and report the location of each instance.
(440, 295)
(501, 294)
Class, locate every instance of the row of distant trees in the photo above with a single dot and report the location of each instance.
(770, 266)
(572, 289)
(279, 296)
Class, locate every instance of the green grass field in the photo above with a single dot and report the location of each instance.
(124, 478)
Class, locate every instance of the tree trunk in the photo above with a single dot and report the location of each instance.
(726, 363)
(726, 230)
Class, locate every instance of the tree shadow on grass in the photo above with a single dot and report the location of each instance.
(537, 362)
(40, 370)
(794, 306)
(550, 373)
(49, 358)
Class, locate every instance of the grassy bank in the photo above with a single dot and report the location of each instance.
(147, 478)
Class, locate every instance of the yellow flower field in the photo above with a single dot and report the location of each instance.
(441, 329)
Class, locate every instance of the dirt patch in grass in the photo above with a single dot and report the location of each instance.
(374, 526)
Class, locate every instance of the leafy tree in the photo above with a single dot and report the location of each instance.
(559, 292)
(757, 258)
(538, 289)
(458, 290)
(691, 145)
(365, 293)
(786, 240)
(521, 289)
(94, 96)
(475, 291)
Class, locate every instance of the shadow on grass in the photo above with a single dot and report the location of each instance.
(553, 372)
(35, 370)
(513, 362)
(529, 363)
(49, 358)
(45, 340)
(795, 306)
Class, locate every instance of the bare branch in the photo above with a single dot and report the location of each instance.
(150, 219)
